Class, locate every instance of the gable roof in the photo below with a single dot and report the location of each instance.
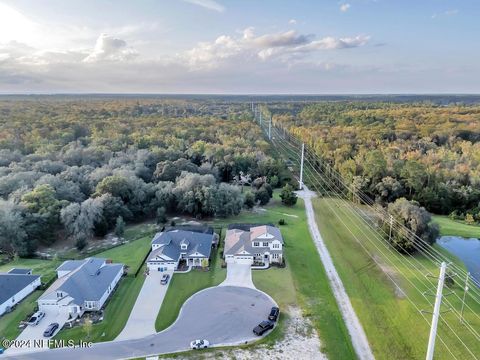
(88, 282)
(238, 240)
(70, 265)
(11, 284)
(197, 242)
(20, 271)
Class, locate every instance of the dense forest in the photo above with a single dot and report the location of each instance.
(77, 167)
(425, 152)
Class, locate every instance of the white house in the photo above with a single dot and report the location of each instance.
(16, 285)
(170, 247)
(82, 285)
(249, 244)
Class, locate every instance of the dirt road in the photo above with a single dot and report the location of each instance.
(355, 329)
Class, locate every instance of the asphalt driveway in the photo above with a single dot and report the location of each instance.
(224, 315)
(141, 321)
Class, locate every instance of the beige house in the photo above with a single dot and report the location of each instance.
(249, 244)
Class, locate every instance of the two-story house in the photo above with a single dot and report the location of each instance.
(249, 244)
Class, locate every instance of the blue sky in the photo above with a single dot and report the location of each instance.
(243, 46)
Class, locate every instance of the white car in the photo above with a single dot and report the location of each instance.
(199, 344)
(35, 319)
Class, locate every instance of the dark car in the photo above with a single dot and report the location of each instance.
(274, 313)
(165, 278)
(50, 330)
(263, 327)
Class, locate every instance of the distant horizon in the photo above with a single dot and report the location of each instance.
(239, 47)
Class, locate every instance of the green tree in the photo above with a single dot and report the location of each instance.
(119, 227)
(161, 215)
(288, 196)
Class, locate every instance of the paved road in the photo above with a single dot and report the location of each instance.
(141, 321)
(238, 274)
(224, 315)
(355, 329)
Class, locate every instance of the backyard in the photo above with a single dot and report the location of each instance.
(395, 329)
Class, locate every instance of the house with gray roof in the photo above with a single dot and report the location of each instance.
(15, 286)
(82, 285)
(171, 247)
(255, 243)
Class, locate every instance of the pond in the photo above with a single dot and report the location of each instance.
(467, 250)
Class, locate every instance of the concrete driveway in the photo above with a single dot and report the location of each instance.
(144, 313)
(238, 274)
(224, 315)
(35, 333)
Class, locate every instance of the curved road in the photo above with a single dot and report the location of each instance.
(224, 315)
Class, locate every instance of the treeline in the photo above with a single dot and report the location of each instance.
(76, 168)
(422, 152)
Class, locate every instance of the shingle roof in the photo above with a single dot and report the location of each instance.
(238, 240)
(197, 242)
(70, 265)
(10, 284)
(88, 282)
(20, 271)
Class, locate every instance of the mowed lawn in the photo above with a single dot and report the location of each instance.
(395, 329)
(449, 227)
(121, 303)
(303, 282)
(131, 254)
(9, 322)
(182, 286)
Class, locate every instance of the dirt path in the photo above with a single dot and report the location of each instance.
(355, 329)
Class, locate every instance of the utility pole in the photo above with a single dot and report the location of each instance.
(260, 119)
(301, 167)
(270, 129)
(464, 296)
(391, 224)
(436, 312)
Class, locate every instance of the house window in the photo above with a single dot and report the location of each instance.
(275, 256)
(276, 246)
(256, 243)
(265, 244)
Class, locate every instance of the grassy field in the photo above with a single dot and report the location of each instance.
(45, 268)
(9, 322)
(183, 286)
(449, 227)
(395, 329)
(303, 282)
(131, 254)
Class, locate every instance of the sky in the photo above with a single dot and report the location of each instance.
(240, 47)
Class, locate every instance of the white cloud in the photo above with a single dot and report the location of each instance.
(281, 45)
(110, 48)
(208, 4)
(450, 12)
(344, 7)
(292, 21)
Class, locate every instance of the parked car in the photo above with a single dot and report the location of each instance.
(199, 344)
(1, 350)
(274, 314)
(165, 279)
(35, 318)
(50, 330)
(263, 327)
